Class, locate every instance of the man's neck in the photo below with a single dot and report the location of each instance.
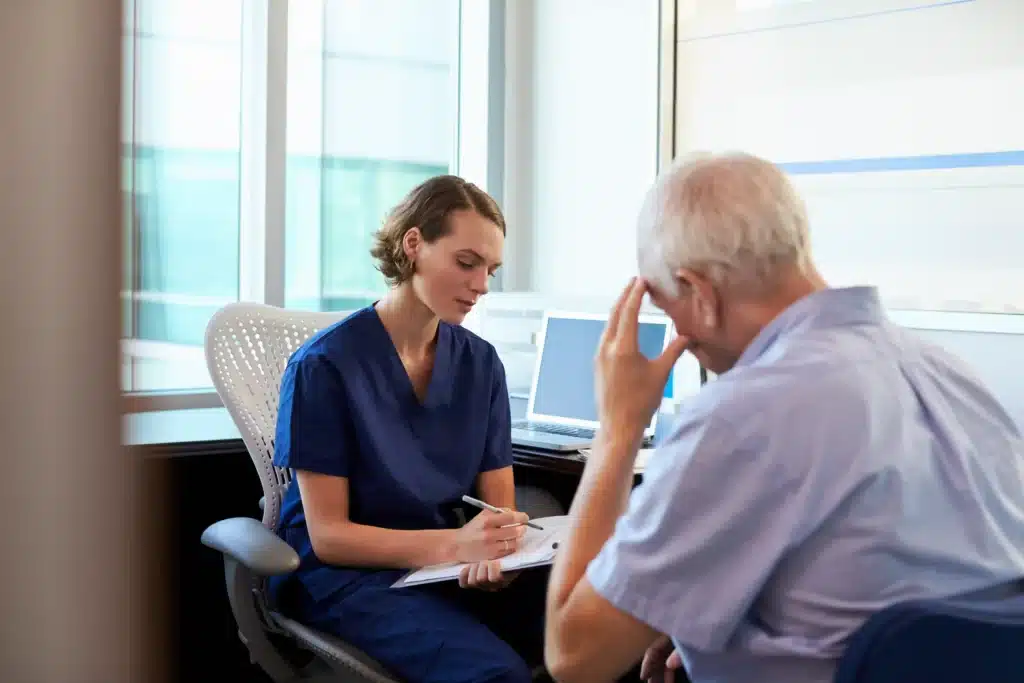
(411, 325)
(792, 287)
(758, 312)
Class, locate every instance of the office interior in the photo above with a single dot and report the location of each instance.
(258, 143)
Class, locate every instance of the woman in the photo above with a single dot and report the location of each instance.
(388, 418)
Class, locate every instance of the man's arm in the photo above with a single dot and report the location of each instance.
(588, 638)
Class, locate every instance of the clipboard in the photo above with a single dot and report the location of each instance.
(539, 549)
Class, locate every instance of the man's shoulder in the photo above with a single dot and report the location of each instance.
(786, 400)
(838, 384)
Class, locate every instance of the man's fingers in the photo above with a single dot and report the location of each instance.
(612, 327)
(620, 303)
(646, 667)
(674, 661)
(629, 315)
(672, 352)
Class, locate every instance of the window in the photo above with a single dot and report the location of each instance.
(181, 159)
(264, 141)
(348, 163)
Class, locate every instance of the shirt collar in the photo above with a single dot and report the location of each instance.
(832, 307)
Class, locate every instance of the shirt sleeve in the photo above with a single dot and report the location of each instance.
(498, 444)
(314, 429)
(702, 533)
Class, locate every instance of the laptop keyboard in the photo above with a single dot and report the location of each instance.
(563, 430)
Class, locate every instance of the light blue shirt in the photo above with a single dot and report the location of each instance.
(842, 465)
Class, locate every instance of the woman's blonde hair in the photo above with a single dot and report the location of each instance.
(427, 207)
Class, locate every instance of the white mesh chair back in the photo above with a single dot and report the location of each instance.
(247, 348)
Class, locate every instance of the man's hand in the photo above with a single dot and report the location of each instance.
(486, 576)
(660, 662)
(629, 385)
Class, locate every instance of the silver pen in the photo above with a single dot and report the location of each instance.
(487, 506)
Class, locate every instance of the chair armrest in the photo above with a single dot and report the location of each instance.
(251, 544)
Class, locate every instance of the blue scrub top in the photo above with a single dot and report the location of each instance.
(348, 408)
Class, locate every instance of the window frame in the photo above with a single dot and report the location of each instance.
(478, 153)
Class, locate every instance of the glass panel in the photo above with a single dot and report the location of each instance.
(371, 113)
(182, 92)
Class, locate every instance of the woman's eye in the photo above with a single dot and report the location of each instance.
(465, 266)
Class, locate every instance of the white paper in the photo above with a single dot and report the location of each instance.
(538, 548)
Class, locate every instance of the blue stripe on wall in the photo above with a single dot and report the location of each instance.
(828, 20)
(917, 163)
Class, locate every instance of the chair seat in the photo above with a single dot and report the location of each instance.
(362, 667)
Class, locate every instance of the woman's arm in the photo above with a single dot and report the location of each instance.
(495, 483)
(339, 541)
(498, 487)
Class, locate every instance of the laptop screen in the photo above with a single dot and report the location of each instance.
(564, 389)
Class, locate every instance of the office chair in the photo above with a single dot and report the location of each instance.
(247, 348)
(937, 641)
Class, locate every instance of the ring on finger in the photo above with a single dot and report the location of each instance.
(505, 541)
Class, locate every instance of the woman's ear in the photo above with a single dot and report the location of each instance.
(412, 240)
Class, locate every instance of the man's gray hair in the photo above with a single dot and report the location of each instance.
(734, 217)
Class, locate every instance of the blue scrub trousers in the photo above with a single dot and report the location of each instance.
(438, 633)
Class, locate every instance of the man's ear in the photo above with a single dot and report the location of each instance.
(704, 294)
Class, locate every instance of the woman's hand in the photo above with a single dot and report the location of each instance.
(486, 576)
(660, 662)
(490, 536)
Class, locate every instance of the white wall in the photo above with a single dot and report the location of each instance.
(929, 92)
(590, 142)
(900, 123)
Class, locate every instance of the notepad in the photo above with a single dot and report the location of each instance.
(538, 549)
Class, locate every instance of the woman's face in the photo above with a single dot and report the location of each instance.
(453, 272)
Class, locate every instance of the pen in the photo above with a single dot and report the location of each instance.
(486, 506)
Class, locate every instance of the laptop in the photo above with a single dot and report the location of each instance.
(562, 413)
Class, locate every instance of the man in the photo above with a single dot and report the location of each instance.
(837, 465)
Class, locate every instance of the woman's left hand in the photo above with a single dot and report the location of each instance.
(486, 576)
